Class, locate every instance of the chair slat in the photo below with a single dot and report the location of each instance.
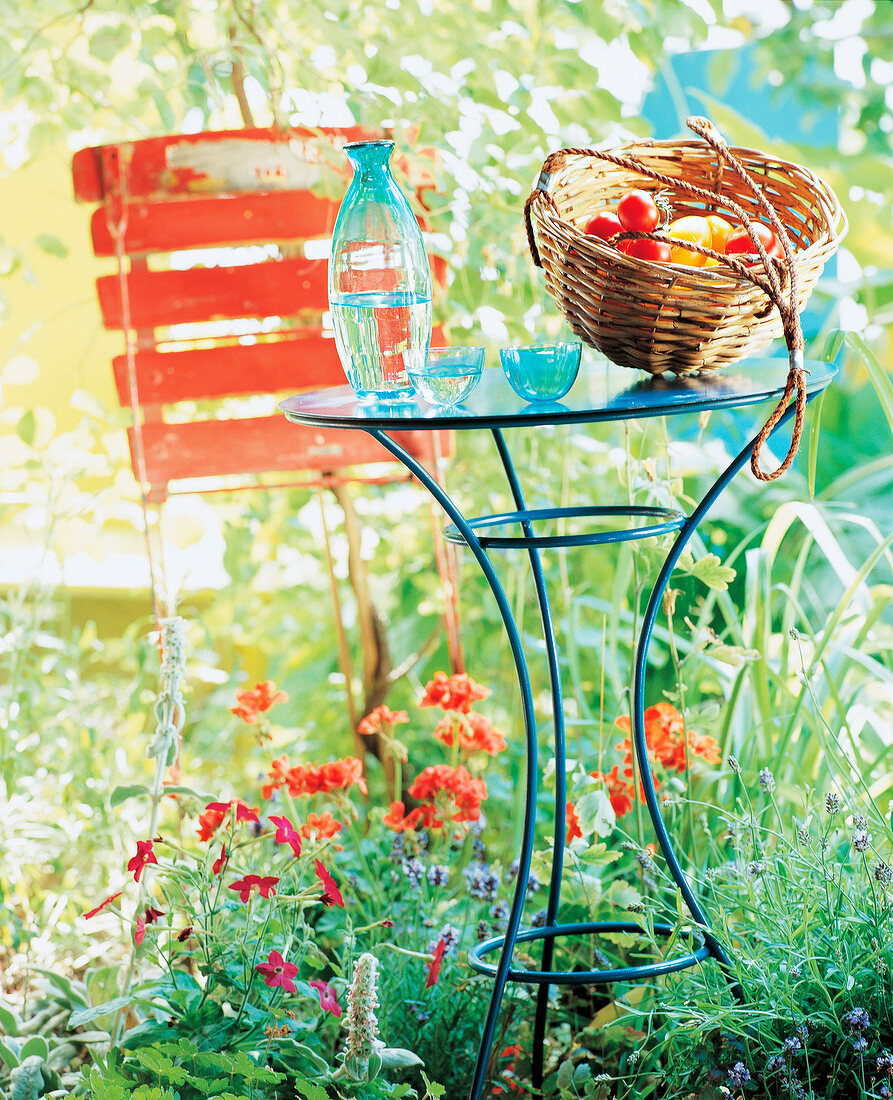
(216, 221)
(275, 288)
(221, 448)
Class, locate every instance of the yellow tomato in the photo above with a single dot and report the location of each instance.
(694, 229)
(719, 232)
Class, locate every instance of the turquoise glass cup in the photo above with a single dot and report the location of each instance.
(448, 376)
(541, 372)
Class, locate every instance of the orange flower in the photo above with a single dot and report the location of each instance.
(324, 825)
(455, 692)
(447, 792)
(381, 716)
(255, 701)
(572, 822)
(398, 821)
(315, 778)
(620, 793)
(666, 738)
(475, 733)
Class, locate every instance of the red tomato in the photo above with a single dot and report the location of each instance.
(604, 224)
(739, 242)
(658, 252)
(638, 211)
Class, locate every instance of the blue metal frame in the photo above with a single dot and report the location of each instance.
(465, 531)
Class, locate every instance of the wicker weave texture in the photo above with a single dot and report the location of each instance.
(668, 317)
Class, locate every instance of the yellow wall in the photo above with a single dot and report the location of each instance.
(55, 317)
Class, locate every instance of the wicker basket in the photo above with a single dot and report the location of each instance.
(667, 317)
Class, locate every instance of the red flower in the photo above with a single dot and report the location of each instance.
(475, 733)
(151, 915)
(331, 895)
(397, 822)
(572, 822)
(449, 793)
(315, 778)
(323, 825)
(277, 972)
(144, 854)
(215, 814)
(286, 834)
(102, 905)
(253, 702)
(208, 824)
(434, 965)
(220, 862)
(140, 931)
(265, 885)
(185, 934)
(620, 793)
(381, 716)
(455, 692)
(328, 999)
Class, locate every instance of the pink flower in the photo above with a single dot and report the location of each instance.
(434, 965)
(140, 932)
(276, 971)
(331, 895)
(102, 905)
(144, 854)
(220, 862)
(327, 997)
(287, 834)
(265, 884)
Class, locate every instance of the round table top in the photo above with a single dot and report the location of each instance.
(602, 391)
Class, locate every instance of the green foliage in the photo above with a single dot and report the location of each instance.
(803, 909)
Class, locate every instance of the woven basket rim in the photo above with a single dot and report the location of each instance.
(824, 246)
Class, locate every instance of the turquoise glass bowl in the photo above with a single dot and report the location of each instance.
(542, 372)
(448, 376)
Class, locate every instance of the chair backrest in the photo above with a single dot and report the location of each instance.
(221, 284)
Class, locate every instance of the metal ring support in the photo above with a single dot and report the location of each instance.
(464, 530)
(673, 520)
(585, 977)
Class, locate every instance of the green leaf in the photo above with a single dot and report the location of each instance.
(35, 1047)
(432, 1088)
(708, 569)
(27, 1080)
(26, 429)
(48, 243)
(398, 1058)
(8, 1021)
(880, 378)
(63, 984)
(87, 1015)
(9, 1052)
(309, 1090)
(122, 794)
(595, 813)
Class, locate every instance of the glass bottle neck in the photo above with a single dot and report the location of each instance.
(369, 158)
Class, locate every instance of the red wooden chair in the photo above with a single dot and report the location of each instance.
(220, 295)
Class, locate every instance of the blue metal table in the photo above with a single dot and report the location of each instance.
(602, 392)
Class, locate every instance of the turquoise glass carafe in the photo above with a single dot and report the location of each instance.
(379, 280)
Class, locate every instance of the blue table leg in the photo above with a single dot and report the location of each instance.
(517, 649)
(542, 597)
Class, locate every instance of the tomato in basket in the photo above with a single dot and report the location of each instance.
(638, 212)
(739, 242)
(604, 224)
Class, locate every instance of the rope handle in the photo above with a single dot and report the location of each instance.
(782, 292)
